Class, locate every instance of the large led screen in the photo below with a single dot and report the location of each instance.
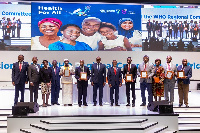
(86, 27)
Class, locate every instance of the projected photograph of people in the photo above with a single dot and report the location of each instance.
(86, 27)
(170, 28)
(16, 27)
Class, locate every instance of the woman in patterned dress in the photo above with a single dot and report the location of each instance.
(46, 77)
(158, 86)
(67, 83)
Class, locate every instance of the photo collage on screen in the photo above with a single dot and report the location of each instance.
(98, 27)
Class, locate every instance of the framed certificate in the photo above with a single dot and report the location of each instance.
(66, 73)
(129, 78)
(83, 75)
(156, 79)
(143, 74)
(169, 75)
(181, 74)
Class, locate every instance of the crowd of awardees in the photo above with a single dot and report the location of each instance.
(94, 35)
(159, 81)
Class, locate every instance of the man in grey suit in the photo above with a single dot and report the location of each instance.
(146, 81)
(34, 79)
(169, 82)
(98, 80)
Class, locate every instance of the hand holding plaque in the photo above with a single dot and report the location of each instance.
(181, 74)
(129, 78)
(143, 74)
(169, 75)
(66, 73)
(83, 76)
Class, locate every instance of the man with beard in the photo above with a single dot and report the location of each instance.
(89, 33)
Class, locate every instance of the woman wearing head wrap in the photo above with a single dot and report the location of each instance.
(126, 29)
(49, 27)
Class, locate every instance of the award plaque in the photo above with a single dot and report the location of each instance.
(66, 73)
(129, 78)
(83, 75)
(143, 74)
(169, 75)
(181, 74)
(156, 79)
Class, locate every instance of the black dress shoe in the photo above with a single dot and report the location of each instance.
(52, 103)
(187, 106)
(69, 104)
(180, 105)
(111, 104)
(94, 104)
(133, 105)
(142, 104)
(127, 104)
(79, 105)
(85, 104)
(101, 104)
(117, 105)
(58, 103)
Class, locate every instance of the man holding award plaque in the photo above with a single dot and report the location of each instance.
(184, 73)
(98, 80)
(130, 75)
(82, 74)
(115, 81)
(169, 82)
(66, 72)
(145, 72)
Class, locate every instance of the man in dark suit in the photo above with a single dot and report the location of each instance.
(149, 28)
(130, 69)
(34, 79)
(160, 28)
(154, 27)
(146, 82)
(175, 28)
(183, 83)
(98, 80)
(19, 77)
(181, 28)
(170, 29)
(82, 82)
(115, 81)
(55, 86)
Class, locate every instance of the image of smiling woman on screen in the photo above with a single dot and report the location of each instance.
(49, 27)
(126, 28)
(70, 33)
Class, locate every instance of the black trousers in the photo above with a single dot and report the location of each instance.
(95, 88)
(128, 92)
(34, 89)
(116, 88)
(55, 90)
(82, 91)
(19, 87)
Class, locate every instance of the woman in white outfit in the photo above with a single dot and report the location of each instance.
(66, 72)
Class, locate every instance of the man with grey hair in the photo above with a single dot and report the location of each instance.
(169, 82)
(89, 33)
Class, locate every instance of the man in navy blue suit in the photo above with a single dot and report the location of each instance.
(55, 83)
(19, 77)
(183, 83)
(82, 82)
(115, 81)
(98, 80)
(130, 69)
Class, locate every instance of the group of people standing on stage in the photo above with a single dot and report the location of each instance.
(93, 36)
(10, 25)
(157, 79)
(165, 29)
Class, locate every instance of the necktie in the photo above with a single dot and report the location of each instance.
(149, 24)
(20, 66)
(98, 66)
(145, 67)
(115, 70)
(129, 67)
(55, 70)
(168, 66)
